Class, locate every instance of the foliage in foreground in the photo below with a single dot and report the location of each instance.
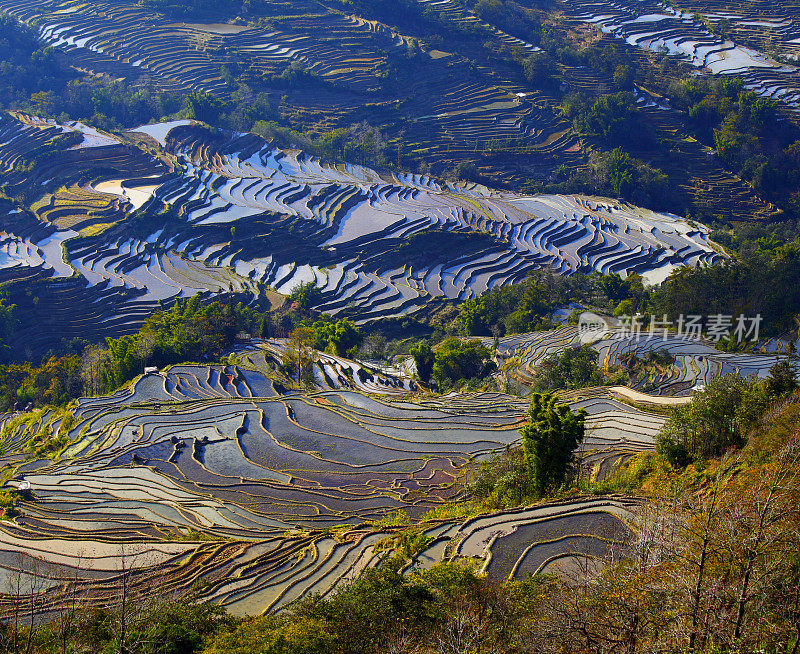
(711, 564)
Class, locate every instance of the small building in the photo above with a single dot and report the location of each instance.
(150, 370)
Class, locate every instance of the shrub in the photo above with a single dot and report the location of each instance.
(423, 359)
(574, 368)
(715, 420)
(458, 361)
(271, 635)
(305, 295)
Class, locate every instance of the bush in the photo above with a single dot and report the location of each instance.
(423, 360)
(339, 337)
(716, 419)
(520, 308)
(8, 505)
(458, 361)
(306, 295)
(367, 612)
(574, 368)
(501, 481)
(466, 171)
(272, 635)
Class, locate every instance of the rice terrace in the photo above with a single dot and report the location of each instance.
(410, 326)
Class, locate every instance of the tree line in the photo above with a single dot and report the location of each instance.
(197, 330)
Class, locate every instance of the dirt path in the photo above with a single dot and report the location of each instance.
(644, 398)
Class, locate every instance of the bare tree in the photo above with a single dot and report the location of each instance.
(139, 593)
(401, 642)
(91, 368)
(15, 590)
(462, 631)
(123, 599)
(696, 547)
(69, 605)
(757, 528)
(37, 583)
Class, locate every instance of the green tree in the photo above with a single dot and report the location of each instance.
(267, 327)
(345, 337)
(332, 144)
(623, 76)
(44, 101)
(620, 171)
(457, 361)
(205, 107)
(306, 295)
(338, 338)
(472, 317)
(539, 69)
(298, 358)
(423, 360)
(549, 440)
(782, 380)
(716, 419)
(763, 282)
(611, 117)
(575, 367)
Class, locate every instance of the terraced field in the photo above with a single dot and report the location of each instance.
(546, 539)
(695, 363)
(758, 25)
(442, 114)
(330, 372)
(657, 26)
(228, 476)
(442, 108)
(284, 486)
(231, 213)
(125, 40)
